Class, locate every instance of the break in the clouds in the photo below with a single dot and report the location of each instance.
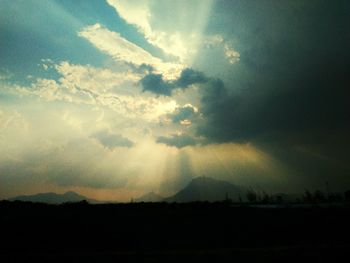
(118, 98)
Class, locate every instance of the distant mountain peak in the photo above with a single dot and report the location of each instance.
(73, 194)
(204, 188)
(206, 179)
(53, 198)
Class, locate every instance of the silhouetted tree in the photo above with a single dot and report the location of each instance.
(227, 198)
(279, 199)
(265, 198)
(240, 198)
(252, 196)
(307, 196)
(319, 196)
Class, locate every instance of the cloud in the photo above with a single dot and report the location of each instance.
(178, 141)
(112, 43)
(188, 77)
(274, 109)
(156, 84)
(5, 75)
(86, 77)
(285, 91)
(111, 141)
(119, 48)
(231, 54)
(134, 12)
(267, 113)
(222, 46)
(290, 84)
(80, 84)
(37, 155)
(97, 87)
(177, 35)
(184, 115)
(66, 154)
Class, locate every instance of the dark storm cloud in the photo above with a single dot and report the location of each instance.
(156, 84)
(178, 141)
(188, 77)
(289, 92)
(111, 141)
(292, 80)
(186, 112)
(296, 63)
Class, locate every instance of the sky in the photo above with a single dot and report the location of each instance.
(117, 98)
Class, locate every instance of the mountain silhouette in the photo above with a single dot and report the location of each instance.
(208, 189)
(53, 198)
(150, 197)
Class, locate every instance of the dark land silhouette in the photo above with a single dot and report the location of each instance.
(256, 227)
(149, 197)
(53, 198)
(172, 232)
(204, 189)
(207, 189)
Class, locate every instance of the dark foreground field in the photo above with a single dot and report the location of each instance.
(199, 232)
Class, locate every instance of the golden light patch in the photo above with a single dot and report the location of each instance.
(185, 122)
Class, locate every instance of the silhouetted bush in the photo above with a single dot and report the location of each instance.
(252, 196)
(279, 199)
(335, 198)
(265, 198)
